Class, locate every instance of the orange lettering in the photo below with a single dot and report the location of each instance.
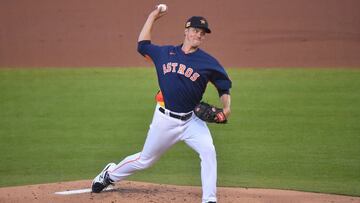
(174, 65)
(166, 68)
(182, 68)
(188, 72)
(194, 77)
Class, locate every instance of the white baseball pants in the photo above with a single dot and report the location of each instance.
(163, 133)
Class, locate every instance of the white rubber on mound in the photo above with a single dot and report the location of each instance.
(73, 192)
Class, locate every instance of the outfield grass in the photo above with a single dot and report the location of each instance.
(290, 128)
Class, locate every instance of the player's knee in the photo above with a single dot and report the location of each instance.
(208, 152)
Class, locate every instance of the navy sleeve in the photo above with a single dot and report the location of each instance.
(221, 80)
(222, 92)
(147, 49)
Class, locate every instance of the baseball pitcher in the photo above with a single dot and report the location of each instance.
(183, 72)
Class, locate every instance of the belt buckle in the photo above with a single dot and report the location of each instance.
(186, 117)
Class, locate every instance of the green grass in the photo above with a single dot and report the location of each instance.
(289, 128)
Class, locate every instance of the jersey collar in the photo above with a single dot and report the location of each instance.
(183, 53)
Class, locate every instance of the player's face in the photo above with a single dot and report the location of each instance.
(194, 36)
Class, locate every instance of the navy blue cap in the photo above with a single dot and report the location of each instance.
(198, 22)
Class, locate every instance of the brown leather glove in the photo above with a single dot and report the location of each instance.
(210, 113)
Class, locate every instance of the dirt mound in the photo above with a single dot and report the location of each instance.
(131, 192)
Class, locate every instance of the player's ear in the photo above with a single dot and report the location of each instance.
(186, 31)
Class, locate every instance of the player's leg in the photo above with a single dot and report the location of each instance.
(161, 136)
(198, 137)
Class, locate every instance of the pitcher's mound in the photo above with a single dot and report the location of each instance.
(134, 192)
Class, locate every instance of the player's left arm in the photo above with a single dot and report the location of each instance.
(225, 100)
(223, 85)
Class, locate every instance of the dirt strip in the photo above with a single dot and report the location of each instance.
(131, 192)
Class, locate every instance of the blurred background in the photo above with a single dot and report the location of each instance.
(246, 33)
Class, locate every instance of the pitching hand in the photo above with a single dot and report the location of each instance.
(156, 14)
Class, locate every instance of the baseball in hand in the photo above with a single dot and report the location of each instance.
(162, 7)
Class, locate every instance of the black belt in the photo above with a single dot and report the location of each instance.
(183, 118)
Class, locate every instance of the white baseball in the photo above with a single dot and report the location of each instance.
(162, 7)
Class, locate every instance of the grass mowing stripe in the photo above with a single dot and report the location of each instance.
(290, 128)
(302, 125)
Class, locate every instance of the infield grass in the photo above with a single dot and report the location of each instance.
(290, 128)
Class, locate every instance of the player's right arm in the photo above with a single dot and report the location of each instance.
(145, 33)
(145, 47)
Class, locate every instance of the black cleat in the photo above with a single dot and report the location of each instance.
(103, 180)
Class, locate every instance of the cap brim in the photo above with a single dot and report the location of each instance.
(207, 30)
